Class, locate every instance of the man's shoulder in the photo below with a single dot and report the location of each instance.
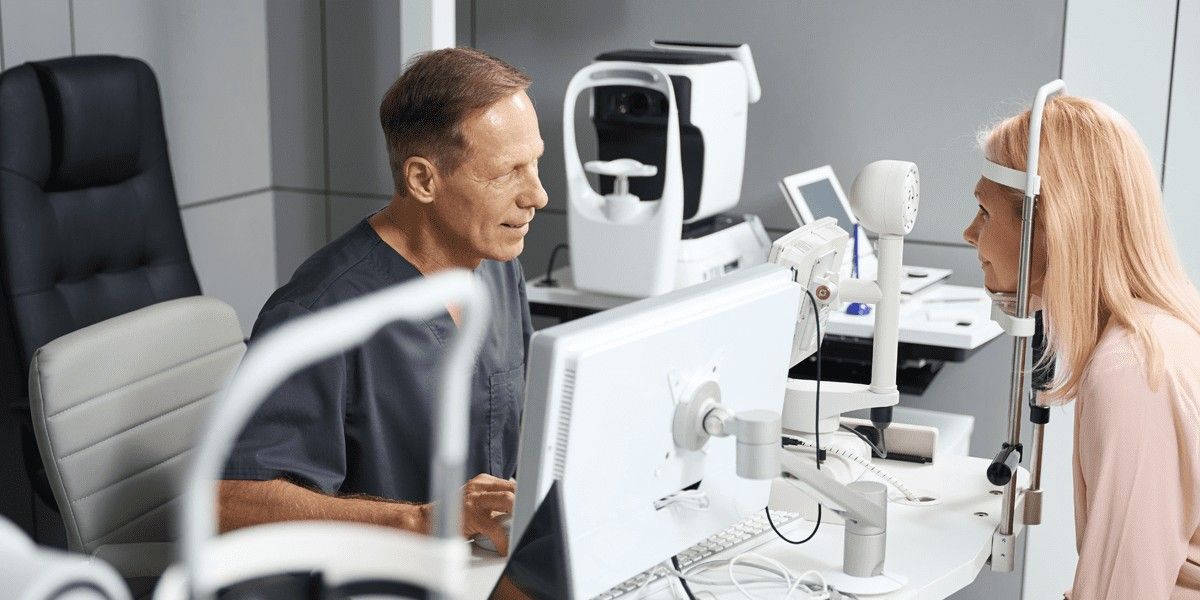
(350, 266)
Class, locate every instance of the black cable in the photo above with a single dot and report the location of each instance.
(550, 267)
(816, 428)
(882, 452)
(687, 590)
(817, 412)
(794, 542)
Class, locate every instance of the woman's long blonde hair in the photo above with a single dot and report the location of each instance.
(1100, 216)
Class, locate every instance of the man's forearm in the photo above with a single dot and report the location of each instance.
(246, 503)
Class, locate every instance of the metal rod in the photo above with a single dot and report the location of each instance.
(1033, 495)
(1020, 349)
(1014, 433)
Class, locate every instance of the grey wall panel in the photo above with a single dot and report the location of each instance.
(464, 19)
(362, 60)
(211, 63)
(297, 88)
(300, 222)
(961, 259)
(34, 30)
(547, 231)
(1180, 185)
(233, 249)
(346, 211)
(844, 83)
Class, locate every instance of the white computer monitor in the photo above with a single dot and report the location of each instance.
(599, 406)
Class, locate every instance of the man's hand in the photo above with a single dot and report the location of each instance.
(486, 501)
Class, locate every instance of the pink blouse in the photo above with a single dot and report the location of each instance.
(1137, 468)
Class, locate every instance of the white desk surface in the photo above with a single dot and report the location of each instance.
(940, 549)
(925, 317)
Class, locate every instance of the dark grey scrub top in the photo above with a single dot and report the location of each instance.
(361, 423)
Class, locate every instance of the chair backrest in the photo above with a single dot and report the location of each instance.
(89, 221)
(116, 407)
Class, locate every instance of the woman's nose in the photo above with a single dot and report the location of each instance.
(970, 234)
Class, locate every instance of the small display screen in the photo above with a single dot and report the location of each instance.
(823, 201)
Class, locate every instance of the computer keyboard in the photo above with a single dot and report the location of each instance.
(752, 529)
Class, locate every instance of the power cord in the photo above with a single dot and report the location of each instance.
(682, 580)
(549, 282)
(812, 300)
(820, 453)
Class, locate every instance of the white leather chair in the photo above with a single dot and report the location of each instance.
(116, 407)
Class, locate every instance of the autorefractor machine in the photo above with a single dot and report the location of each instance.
(670, 128)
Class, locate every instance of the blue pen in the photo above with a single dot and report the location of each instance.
(856, 308)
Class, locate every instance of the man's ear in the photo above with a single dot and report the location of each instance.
(420, 177)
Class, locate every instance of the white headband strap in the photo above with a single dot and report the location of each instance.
(1010, 177)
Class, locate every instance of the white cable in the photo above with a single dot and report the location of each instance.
(641, 590)
(690, 574)
(820, 578)
(872, 467)
(773, 567)
(787, 577)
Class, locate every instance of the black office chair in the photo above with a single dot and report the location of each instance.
(89, 229)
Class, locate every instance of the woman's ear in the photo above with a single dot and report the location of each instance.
(420, 177)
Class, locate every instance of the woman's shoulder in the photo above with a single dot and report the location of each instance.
(1121, 359)
(1174, 336)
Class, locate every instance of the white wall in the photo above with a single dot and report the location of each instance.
(1181, 188)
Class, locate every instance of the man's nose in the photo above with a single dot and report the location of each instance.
(535, 197)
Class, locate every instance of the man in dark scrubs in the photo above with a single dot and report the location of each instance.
(350, 438)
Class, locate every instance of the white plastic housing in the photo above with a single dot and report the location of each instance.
(635, 255)
(814, 254)
(837, 397)
(885, 197)
(740, 53)
(705, 258)
(719, 109)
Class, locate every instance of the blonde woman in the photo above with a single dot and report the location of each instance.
(1123, 324)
